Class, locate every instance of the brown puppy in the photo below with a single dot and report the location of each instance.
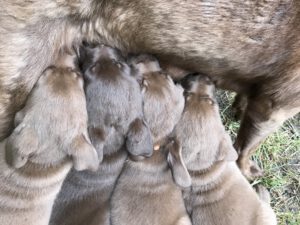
(249, 47)
(51, 133)
(220, 194)
(145, 192)
(114, 104)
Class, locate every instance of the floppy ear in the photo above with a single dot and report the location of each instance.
(19, 118)
(226, 150)
(85, 56)
(84, 155)
(139, 141)
(180, 173)
(98, 137)
(20, 145)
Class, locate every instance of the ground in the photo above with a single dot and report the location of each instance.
(279, 156)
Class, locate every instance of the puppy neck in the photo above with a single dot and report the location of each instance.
(32, 183)
(214, 183)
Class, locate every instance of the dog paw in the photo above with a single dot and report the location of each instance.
(251, 170)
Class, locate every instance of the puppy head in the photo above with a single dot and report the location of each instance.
(51, 139)
(60, 81)
(102, 62)
(143, 64)
(163, 104)
(200, 130)
(163, 100)
(199, 85)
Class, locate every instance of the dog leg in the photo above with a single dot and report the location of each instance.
(260, 120)
(239, 106)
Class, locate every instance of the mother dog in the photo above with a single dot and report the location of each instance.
(251, 47)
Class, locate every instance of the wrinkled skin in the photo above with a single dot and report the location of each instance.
(251, 47)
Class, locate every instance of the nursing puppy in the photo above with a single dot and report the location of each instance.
(114, 104)
(251, 48)
(145, 192)
(50, 136)
(219, 195)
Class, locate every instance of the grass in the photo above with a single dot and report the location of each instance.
(279, 156)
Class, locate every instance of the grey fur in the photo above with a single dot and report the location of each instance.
(43, 147)
(114, 104)
(219, 195)
(145, 192)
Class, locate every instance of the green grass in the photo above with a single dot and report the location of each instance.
(279, 156)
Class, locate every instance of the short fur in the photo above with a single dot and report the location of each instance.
(50, 136)
(145, 192)
(114, 104)
(219, 195)
(251, 47)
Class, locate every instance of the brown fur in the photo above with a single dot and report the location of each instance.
(150, 182)
(250, 47)
(219, 194)
(50, 136)
(114, 105)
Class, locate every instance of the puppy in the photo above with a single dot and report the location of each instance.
(114, 103)
(50, 136)
(219, 195)
(250, 48)
(145, 192)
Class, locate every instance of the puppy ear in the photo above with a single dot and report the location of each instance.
(226, 150)
(139, 141)
(98, 137)
(84, 155)
(180, 173)
(85, 56)
(20, 145)
(19, 118)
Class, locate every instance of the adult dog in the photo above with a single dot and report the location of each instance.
(251, 47)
